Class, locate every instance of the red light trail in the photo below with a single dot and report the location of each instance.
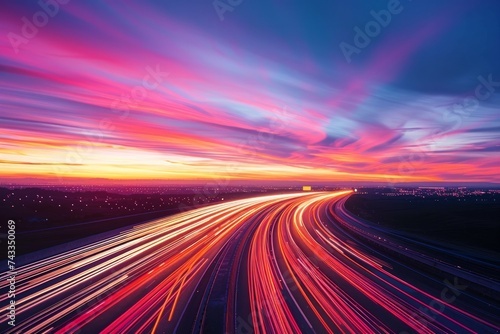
(284, 263)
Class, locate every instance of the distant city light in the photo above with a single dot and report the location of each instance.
(306, 188)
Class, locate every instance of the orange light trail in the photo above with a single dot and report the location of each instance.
(297, 266)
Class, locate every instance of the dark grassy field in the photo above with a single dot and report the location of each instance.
(472, 221)
(45, 218)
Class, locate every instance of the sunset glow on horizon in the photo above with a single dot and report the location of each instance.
(171, 92)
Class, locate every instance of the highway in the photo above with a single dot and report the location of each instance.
(287, 263)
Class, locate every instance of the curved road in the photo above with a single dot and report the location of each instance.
(286, 263)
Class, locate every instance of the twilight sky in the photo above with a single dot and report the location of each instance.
(250, 90)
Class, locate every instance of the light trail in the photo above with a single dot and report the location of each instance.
(296, 265)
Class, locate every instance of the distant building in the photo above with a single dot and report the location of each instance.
(306, 188)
